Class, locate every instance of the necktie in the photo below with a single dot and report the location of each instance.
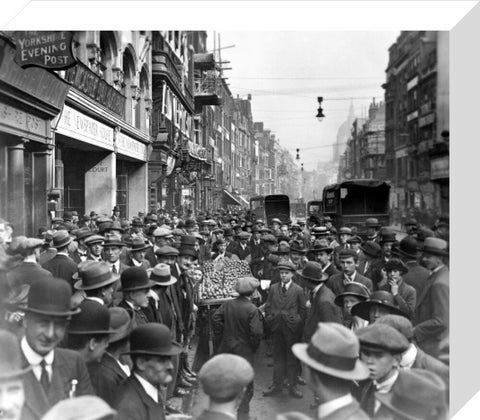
(114, 269)
(44, 380)
(284, 289)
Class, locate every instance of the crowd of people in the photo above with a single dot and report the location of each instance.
(99, 316)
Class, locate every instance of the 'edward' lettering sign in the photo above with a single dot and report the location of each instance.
(48, 49)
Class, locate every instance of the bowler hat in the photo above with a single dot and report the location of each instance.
(321, 246)
(161, 275)
(135, 278)
(138, 244)
(94, 239)
(381, 337)
(408, 247)
(10, 360)
(246, 285)
(228, 232)
(153, 339)
(22, 245)
(49, 296)
(313, 271)
(417, 394)
(93, 275)
(396, 264)
(333, 350)
(120, 322)
(285, 265)
(225, 376)
(112, 240)
(371, 248)
(85, 407)
(387, 236)
(61, 238)
(400, 323)
(167, 251)
(372, 222)
(94, 318)
(353, 289)
(435, 246)
(379, 298)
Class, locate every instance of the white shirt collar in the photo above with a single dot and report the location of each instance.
(63, 253)
(151, 391)
(408, 358)
(287, 285)
(438, 268)
(116, 264)
(329, 407)
(34, 359)
(328, 265)
(95, 299)
(385, 386)
(136, 263)
(317, 288)
(350, 278)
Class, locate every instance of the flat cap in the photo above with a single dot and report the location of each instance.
(21, 244)
(382, 337)
(85, 407)
(400, 323)
(269, 238)
(225, 375)
(246, 285)
(167, 251)
(161, 232)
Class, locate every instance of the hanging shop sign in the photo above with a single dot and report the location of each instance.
(47, 49)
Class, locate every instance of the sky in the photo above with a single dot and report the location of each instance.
(286, 71)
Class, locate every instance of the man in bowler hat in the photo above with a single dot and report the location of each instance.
(224, 378)
(331, 360)
(417, 275)
(285, 312)
(56, 373)
(151, 350)
(238, 325)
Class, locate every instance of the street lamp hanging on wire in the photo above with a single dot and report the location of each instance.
(320, 116)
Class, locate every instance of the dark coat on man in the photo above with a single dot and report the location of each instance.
(257, 253)
(331, 270)
(417, 276)
(46, 256)
(431, 317)
(406, 297)
(67, 366)
(26, 273)
(372, 270)
(365, 395)
(62, 267)
(106, 377)
(241, 253)
(138, 316)
(145, 263)
(337, 286)
(151, 257)
(322, 309)
(133, 403)
(213, 415)
(238, 325)
(427, 362)
(351, 411)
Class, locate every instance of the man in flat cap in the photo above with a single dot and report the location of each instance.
(11, 377)
(238, 325)
(94, 246)
(381, 348)
(224, 378)
(431, 317)
(348, 262)
(331, 361)
(56, 373)
(285, 312)
(151, 351)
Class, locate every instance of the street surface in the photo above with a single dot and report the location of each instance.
(263, 408)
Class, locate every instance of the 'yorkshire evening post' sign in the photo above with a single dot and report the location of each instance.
(48, 49)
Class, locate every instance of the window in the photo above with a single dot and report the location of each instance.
(108, 56)
(129, 80)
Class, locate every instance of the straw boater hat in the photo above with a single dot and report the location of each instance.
(333, 350)
(161, 275)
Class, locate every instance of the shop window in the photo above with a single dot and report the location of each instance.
(122, 194)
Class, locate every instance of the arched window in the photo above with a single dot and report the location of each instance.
(108, 55)
(142, 121)
(129, 80)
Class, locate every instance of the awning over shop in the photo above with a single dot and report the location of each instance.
(230, 199)
(244, 201)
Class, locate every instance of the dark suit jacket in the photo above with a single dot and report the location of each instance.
(62, 267)
(239, 251)
(373, 271)
(427, 362)
(25, 273)
(46, 256)
(139, 317)
(351, 411)
(406, 297)
(106, 377)
(323, 309)
(151, 257)
(213, 415)
(67, 365)
(133, 403)
(287, 309)
(237, 324)
(75, 256)
(335, 283)
(417, 276)
(331, 270)
(145, 263)
(431, 317)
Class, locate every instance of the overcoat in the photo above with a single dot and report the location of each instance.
(336, 285)
(63, 267)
